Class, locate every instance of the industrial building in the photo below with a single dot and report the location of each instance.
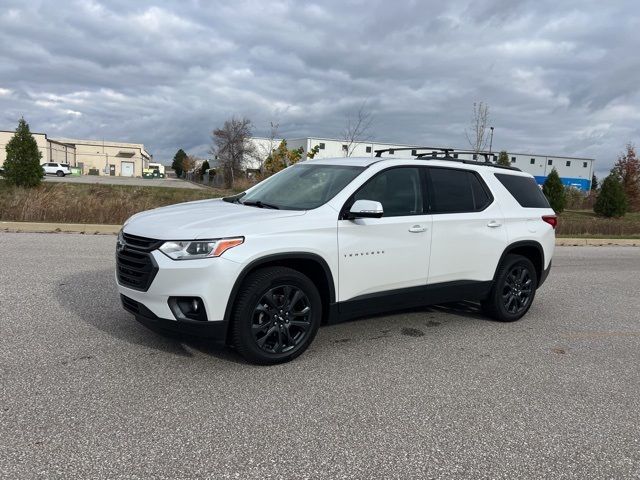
(574, 171)
(92, 157)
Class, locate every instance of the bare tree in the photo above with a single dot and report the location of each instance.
(357, 129)
(478, 134)
(231, 145)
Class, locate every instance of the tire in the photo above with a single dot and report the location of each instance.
(513, 290)
(60, 173)
(276, 315)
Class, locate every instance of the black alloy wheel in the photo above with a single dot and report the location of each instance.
(281, 319)
(514, 288)
(276, 315)
(517, 289)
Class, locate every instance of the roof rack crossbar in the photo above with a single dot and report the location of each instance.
(392, 150)
(450, 154)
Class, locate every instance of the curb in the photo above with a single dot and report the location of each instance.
(98, 229)
(598, 242)
(33, 227)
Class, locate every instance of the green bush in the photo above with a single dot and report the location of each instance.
(553, 189)
(503, 159)
(22, 165)
(612, 201)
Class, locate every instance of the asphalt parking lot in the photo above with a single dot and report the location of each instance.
(170, 182)
(86, 392)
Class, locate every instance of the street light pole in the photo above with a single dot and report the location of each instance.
(491, 141)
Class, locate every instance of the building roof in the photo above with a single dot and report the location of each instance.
(76, 141)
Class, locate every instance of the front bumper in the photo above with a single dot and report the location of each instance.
(210, 279)
(209, 330)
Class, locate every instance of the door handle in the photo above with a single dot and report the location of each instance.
(418, 229)
(494, 224)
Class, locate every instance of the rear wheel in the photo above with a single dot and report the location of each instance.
(276, 316)
(60, 173)
(513, 290)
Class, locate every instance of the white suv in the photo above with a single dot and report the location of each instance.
(59, 169)
(328, 240)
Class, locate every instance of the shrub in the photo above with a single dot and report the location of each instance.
(503, 159)
(554, 191)
(612, 201)
(22, 165)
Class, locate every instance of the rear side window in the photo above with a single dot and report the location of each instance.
(457, 191)
(525, 190)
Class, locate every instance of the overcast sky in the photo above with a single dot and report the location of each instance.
(560, 77)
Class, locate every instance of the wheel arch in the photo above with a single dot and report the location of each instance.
(527, 248)
(310, 264)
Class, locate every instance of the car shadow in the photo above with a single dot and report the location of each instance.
(103, 311)
(93, 297)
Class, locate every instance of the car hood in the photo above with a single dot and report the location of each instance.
(204, 219)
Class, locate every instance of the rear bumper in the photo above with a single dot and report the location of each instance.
(216, 331)
(545, 274)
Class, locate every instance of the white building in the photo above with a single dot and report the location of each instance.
(574, 171)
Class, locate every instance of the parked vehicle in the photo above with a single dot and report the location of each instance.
(328, 240)
(59, 169)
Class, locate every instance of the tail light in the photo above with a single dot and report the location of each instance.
(551, 220)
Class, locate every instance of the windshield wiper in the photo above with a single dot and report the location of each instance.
(260, 204)
(234, 198)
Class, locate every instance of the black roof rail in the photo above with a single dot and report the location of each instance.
(449, 154)
(392, 150)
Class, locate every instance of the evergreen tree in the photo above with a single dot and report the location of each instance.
(177, 164)
(594, 182)
(503, 159)
(612, 200)
(22, 165)
(553, 189)
(204, 167)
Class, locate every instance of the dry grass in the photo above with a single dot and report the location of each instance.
(82, 203)
(585, 223)
(113, 204)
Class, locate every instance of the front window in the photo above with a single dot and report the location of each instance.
(302, 186)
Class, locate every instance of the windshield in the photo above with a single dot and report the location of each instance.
(301, 187)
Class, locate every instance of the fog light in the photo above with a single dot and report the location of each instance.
(188, 308)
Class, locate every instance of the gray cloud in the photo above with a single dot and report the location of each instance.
(560, 77)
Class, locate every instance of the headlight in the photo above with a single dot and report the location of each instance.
(193, 249)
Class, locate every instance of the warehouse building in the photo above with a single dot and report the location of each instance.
(92, 157)
(574, 171)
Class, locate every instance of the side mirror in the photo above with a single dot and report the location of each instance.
(366, 209)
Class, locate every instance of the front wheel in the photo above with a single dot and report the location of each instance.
(276, 316)
(513, 290)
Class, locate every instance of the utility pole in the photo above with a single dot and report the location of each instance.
(490, 141)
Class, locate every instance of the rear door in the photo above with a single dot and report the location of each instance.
(469, 235)
(388, 253)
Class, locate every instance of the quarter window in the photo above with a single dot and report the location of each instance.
(456, 191)
(397, 189)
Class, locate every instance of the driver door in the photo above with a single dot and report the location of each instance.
(392, 252)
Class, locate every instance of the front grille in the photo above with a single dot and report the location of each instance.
(135, 265)
(141, 243)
